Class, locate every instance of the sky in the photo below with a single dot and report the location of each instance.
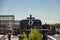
(48, 11)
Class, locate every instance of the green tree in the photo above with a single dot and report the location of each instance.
(24, 36)
(34, 35)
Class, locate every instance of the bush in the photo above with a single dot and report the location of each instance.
(34, 35)
(24, 37)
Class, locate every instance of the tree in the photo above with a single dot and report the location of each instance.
(34, 35)
(24, 37)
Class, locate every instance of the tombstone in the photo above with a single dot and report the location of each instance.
(44, 32)
(28, 23)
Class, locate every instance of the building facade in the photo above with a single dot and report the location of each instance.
(6, 23)
(17, 27)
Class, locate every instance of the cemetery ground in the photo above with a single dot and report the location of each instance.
(5, 37)
(56, 36)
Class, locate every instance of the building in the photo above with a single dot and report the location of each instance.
(17, 27)
(17, 24)
(6, 23)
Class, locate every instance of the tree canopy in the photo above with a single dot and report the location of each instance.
(35, 35)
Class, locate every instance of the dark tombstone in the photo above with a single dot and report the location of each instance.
(44, 32)
(30, 22)
(45, 26)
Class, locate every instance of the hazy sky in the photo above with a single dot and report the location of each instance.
(48, 11)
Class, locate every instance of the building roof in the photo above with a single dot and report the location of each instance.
(6, 15)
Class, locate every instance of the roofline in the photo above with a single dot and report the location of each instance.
(6, 15)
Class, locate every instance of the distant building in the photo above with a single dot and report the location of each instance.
(17, 24)
(17, 27)
(6, 22)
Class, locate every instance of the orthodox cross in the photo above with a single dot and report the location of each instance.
(30, 20)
